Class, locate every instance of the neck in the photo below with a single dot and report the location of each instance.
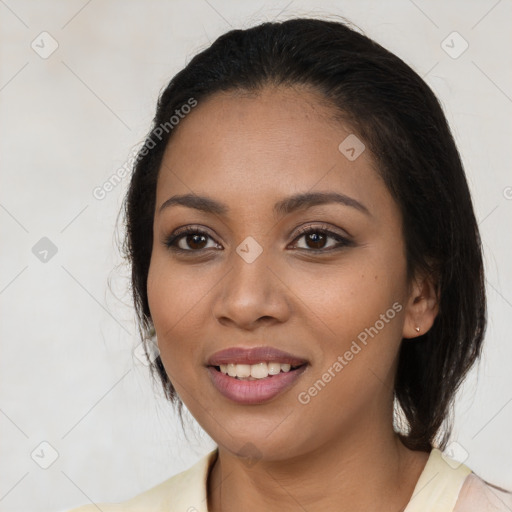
(362, 468)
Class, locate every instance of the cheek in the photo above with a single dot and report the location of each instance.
(355, 311)
(357, 341)
(175, 299)
(348, 297)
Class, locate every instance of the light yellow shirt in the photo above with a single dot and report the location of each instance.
(444, 486)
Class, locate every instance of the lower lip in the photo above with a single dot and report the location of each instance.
(257, 391)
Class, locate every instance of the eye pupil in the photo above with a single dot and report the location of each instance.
(195, 239)
(317, 239)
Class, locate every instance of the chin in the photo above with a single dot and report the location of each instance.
(260, 443)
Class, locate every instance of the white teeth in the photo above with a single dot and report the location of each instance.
(274, 368)
(259, 371)
(243, 370)
(254, 371)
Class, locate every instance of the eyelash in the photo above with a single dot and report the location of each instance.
(170, 242)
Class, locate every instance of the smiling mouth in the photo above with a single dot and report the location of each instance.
(256, 371)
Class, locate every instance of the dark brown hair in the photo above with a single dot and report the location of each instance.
(402, 123)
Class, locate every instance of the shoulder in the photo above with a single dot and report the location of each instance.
(446, 485)
(476, 495)
(183, 492)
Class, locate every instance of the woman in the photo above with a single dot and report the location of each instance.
(303, 243)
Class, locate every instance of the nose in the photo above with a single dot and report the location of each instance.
(252, 294)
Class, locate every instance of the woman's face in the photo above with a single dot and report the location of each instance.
(335, 300)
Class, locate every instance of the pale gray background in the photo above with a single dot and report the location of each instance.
(68, 375)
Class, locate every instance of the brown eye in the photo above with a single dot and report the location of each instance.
(319, 240)
(315, 240)
(196, 241)
(189, 240)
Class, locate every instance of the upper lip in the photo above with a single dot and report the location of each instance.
(242, 355)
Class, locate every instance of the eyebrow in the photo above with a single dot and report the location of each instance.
(286, 206)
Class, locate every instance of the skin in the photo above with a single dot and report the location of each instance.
(249, 151)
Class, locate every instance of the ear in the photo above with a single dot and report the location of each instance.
(422, 306)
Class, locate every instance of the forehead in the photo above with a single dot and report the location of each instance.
(255, 146)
